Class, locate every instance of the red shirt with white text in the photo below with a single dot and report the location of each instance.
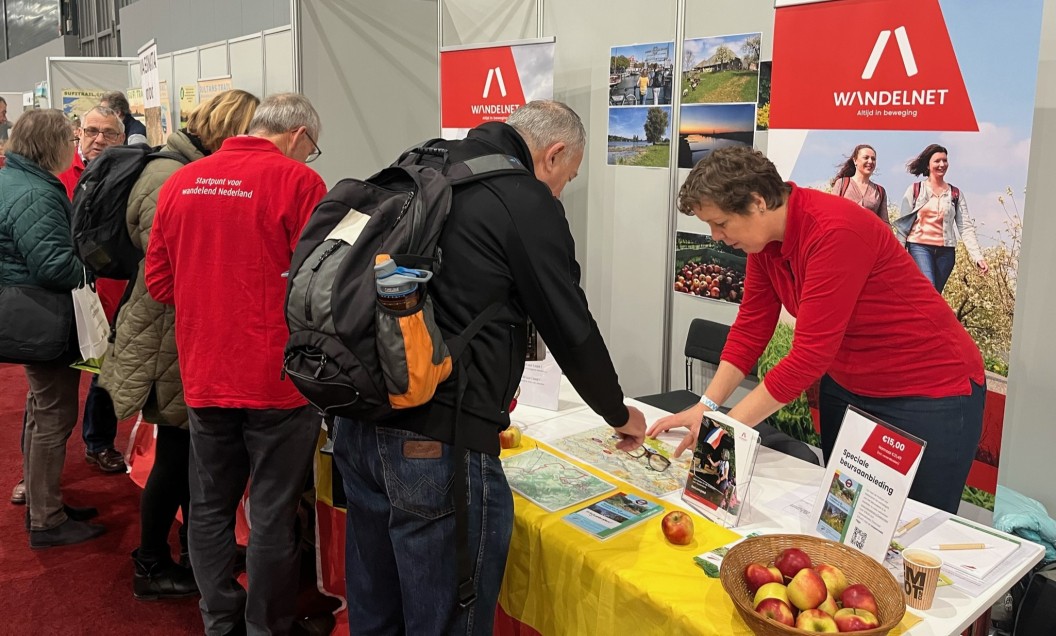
(223, 235)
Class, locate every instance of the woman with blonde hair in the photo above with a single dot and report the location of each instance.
(36, 251)
(141, 371)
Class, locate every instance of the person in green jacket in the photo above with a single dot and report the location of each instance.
(36, 249)
(141, 371)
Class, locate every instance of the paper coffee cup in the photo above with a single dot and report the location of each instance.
(921, 577)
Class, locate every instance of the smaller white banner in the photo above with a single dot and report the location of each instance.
(148, 75)
(541, 384)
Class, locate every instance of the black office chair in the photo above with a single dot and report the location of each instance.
(704, 343)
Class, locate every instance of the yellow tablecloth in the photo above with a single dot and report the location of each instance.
(559, 580)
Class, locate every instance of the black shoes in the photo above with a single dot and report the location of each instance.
(108, 460)
(67, 533)
(73, 512)
(154, 580)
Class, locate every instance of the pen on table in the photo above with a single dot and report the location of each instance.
(961, 546)
(909, 525)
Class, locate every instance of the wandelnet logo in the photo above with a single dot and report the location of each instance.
(905, 97)
(504, 110)
(867, 65)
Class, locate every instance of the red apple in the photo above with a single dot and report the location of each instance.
(791, 561)
(678, 527)
(776, 610)
(858, 596)
(757, 575)
(829, 605)
(807, 590)
(815, 620)
(834, 578)
(849, 619)
(770, 590)
(510, 438)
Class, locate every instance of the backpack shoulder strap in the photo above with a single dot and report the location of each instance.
(955, 196)
(880, 189)
(483, 167)
(916, 191)
(844, 184)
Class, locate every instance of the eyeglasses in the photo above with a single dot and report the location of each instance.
(653, 459)
(75, 140)
(109, 135)
(315, 153)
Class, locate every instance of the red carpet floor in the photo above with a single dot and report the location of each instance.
(81, 589)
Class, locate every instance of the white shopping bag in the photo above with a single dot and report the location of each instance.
(93, 330)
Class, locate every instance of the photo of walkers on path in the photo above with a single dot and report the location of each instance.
(641, 74)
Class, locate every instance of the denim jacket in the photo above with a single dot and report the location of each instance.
(908, 216)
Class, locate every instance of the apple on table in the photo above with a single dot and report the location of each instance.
(771, 590)
(776, 610)
(834, 579)
(677, 527)
(858, 596)
(510, 437)
(758, 574)
(791, 561)
(829, 605)
(807, 590)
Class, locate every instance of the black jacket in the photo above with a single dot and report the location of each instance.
(507, 240)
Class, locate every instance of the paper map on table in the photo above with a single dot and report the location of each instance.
(597, 447)
(551, 482)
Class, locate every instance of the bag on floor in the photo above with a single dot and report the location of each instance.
(100, 234)
(93, 329)
(348, 353)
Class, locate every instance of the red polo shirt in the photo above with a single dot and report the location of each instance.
(109, 290)
(223, 235)
(864, 313)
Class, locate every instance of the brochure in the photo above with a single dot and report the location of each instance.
(718, 479)
(711, 561)
(613, 515)
(866, 483)
(968, 549)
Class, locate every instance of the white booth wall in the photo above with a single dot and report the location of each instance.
(190, 23)
(1028, 444)
(22, 72)
(105, 74)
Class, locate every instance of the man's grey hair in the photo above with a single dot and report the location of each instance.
(284, 112)
(545, 122)
(103, 111)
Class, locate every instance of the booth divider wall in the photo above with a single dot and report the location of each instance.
(86, 73)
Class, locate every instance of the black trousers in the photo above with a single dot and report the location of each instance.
(272, 451)
(166, 491)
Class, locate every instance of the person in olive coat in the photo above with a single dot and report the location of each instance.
(36, 249)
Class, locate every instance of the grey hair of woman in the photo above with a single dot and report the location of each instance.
(284, 112)
(545, 122)
(44, 137)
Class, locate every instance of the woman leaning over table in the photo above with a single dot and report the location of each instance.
(854, 181)
(841, 274)
(141, 371)
(931, 209)
(36, 250)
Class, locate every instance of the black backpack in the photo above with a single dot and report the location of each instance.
(100, 235)
(344, 349)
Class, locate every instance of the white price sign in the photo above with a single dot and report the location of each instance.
(148, 75)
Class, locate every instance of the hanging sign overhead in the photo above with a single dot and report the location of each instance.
(148, 75)
(487, 83)
(887, 66)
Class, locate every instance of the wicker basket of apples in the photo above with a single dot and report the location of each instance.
(797, 584)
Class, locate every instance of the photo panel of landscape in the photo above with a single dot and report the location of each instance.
(707, 127)
(707, 268)
(641, 74)
(722, 69)
(639, 136)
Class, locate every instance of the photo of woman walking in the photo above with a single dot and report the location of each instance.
(931, 210)
(854, 181)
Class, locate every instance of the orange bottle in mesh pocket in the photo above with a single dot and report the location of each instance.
(414, 358)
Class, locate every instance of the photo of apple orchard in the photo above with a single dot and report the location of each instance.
(713, 475)
(707, 268)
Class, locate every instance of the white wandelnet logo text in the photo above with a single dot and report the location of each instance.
(908, 61)
(496, 74)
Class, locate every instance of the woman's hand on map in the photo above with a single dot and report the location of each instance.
(690, 418)
(632, 434)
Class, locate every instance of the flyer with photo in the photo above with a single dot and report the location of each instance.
(718, 478)
(613, 515)
(866, 483)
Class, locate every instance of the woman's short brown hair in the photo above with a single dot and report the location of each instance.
(44, 137)
(728, 177)
(225, 115)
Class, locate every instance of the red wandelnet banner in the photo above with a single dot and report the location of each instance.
(867, 65)
(485, 84)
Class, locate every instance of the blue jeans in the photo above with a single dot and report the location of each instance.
(935, 261)
(400, 545)
(951, 426)
(99, 423)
